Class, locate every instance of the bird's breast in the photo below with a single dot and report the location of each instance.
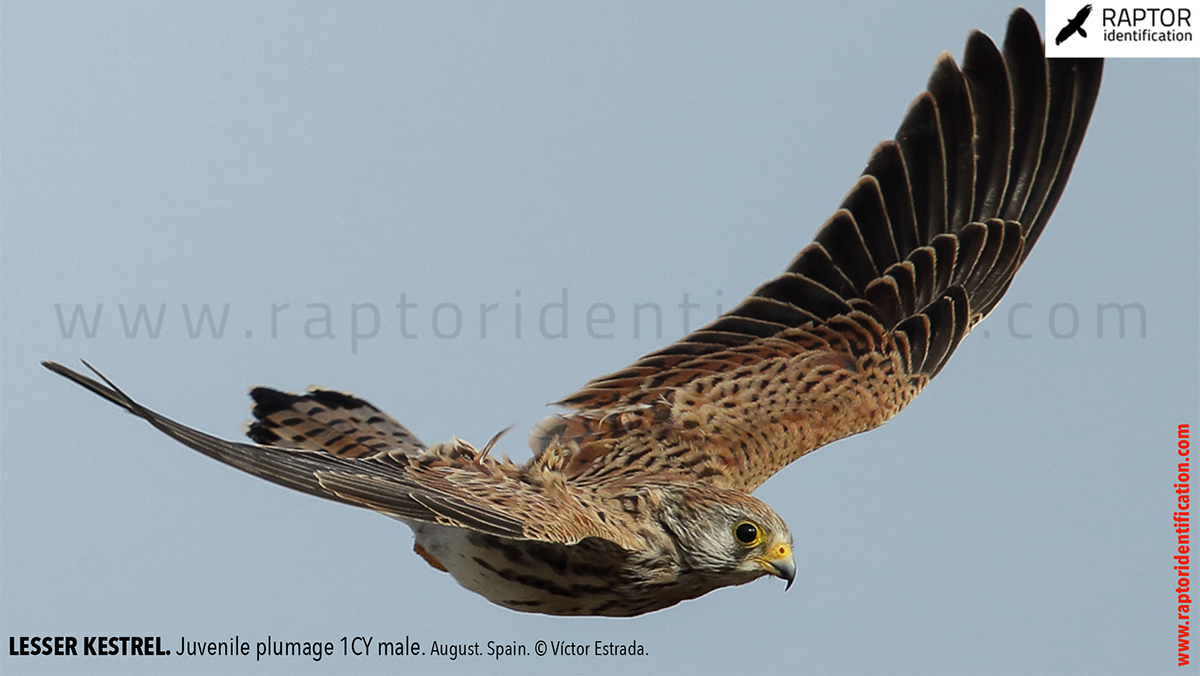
(592, 577)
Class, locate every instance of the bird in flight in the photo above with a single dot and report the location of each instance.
(1074, 25)
(639, 495)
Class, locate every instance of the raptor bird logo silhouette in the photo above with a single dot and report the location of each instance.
(639, 494)
(1074, 25)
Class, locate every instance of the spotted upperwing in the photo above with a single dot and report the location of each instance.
(921, 249)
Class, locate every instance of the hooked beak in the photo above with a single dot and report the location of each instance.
(781, 564)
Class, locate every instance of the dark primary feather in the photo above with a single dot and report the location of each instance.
(922, 247)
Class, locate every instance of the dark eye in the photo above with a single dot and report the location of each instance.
(747, 534)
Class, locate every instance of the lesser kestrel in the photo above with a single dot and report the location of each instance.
(639, 496)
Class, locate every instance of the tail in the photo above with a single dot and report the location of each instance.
(323, 451)
(294, 466)
(324, 420)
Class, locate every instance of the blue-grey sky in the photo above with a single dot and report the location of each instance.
(1015, 518)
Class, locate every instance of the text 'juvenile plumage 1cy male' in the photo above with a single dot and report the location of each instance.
(639, 496)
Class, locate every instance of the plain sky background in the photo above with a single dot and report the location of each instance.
(1016, 518)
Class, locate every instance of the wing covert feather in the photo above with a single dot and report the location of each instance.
(920, 250)
(448, 484)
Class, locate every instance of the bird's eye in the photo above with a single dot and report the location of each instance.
(747, 534)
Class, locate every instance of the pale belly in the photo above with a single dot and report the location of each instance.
(593, 577)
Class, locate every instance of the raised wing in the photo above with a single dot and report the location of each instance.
(923, 247)
(320, 454)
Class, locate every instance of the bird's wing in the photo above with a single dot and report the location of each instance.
(450, 484)
(923, 247)
(1082, 15)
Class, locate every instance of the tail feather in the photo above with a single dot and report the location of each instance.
(325, 420)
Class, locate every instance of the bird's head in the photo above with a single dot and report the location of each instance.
(728, 536)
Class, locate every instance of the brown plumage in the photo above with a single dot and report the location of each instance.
(639, 496)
